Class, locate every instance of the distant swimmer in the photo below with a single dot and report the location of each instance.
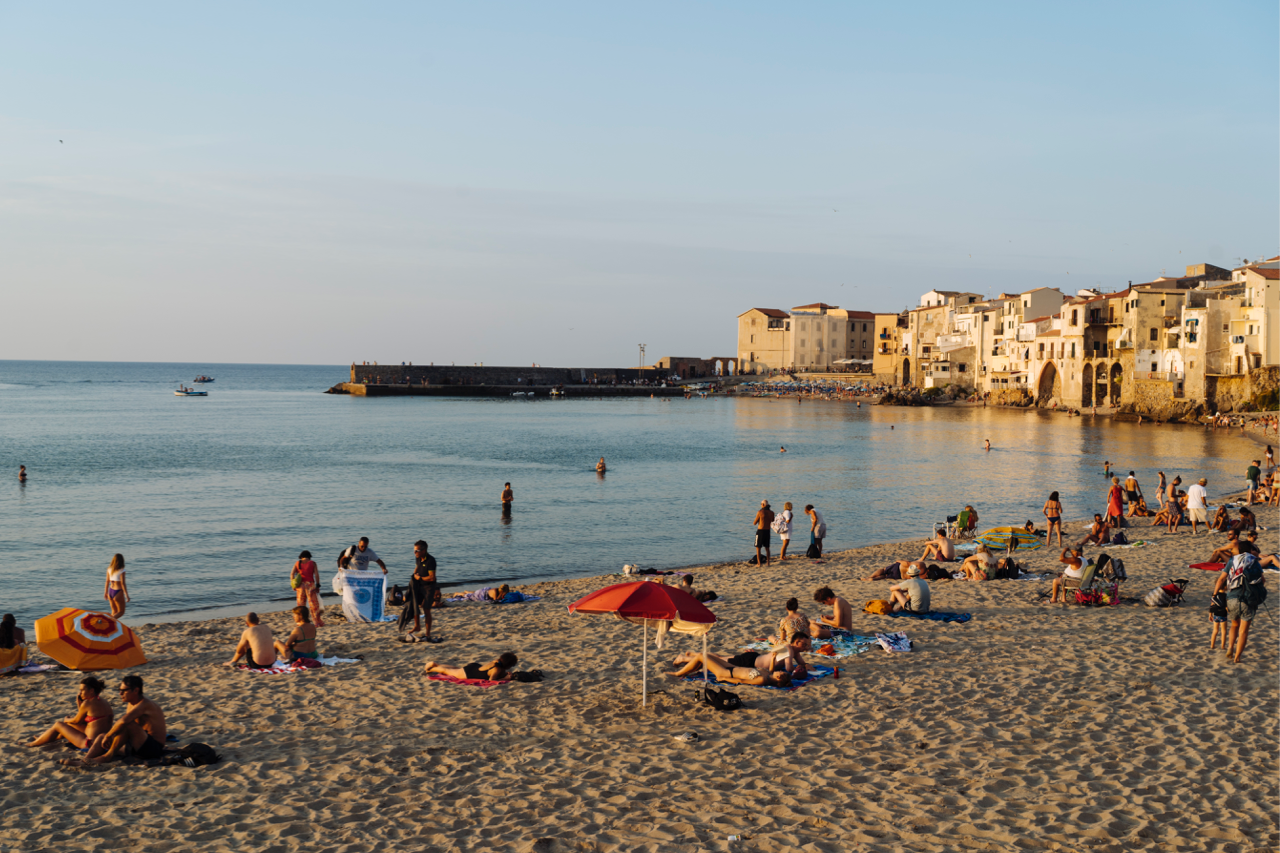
(782, 449)
(507, 497)
(988, 444)
(1106, 469)
(22, 473)
(600, 466)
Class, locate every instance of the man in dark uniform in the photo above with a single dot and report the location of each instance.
(422, 593)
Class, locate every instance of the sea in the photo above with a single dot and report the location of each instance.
(211, 499)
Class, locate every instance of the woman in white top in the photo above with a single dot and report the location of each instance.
(785, 533)
(116, 592)
(1071, 557)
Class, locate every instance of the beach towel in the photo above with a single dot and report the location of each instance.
(1208, 567)
(32, 668)
(282, 668)
(363, 595)
(813, 674)
(844, 645)
(895, 642)
(934, 616)
(481, 596)
(470, 682)
(11, 659)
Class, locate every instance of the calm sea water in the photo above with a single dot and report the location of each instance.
(210, 500)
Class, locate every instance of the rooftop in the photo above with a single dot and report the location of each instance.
(768, 312)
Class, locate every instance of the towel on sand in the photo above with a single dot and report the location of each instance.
(282, 668)
(814, 673)
(934, 616)
(470, 682)
(845, 645)
(481, 596)
(895, 642)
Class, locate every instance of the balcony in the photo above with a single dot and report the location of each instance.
(1162, 376)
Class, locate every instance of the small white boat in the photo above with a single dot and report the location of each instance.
(189, 392)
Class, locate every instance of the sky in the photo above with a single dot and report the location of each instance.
(512, 183)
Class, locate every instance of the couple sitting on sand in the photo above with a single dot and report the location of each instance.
(140, 733)
(260, 651)
(776, 668)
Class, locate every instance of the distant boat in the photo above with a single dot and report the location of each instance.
(183, 391)
(202, 379)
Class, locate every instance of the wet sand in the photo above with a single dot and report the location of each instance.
(1031, 727)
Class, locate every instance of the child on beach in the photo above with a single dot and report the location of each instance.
(1218, 618)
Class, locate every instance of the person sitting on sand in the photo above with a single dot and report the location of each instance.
(302, 641)
(793, 623)
(1246, 521)
(499, 669)
(940, 549)
(1139, 509)
(841, 614)
(980, 566)
(93, 717)
(686, 586)
(726, 671)
(1075, 569)
(1227, 551)
(140, 733)
(912, 594)
(255, 645)
(1099, 532)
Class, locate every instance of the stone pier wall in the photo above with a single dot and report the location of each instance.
(388, 374)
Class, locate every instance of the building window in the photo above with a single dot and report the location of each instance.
(864, 344)
(1073, 349)
(1153, 367)
(1073, 317)
(753, 339)
(802, 344)
(864, 327)
(1153, 334)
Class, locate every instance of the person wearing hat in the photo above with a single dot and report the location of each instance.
(912, 594)
(1197, 506)
(764, 517)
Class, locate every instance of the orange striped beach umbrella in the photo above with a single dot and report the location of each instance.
(80, 639)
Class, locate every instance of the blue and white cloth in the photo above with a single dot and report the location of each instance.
(364, 595)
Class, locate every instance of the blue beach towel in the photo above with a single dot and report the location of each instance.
(845, 644)
(934, 616)
(815, 672)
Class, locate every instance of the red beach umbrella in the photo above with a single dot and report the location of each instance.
(642, 602)
(80, 639)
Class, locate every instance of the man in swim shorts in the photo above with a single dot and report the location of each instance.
(256, 645)
(912, 595)
(764, 517)
(940, 549)
(139, 733)
(841, 614)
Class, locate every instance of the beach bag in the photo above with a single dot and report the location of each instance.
(1111, 570)
(778, 525)
(878, 607)
(813, 553)
(396, 596)
(721, 700)
(296, 581)
(1088, 599)
(936, 573)
(533, 675)
(1119, 539)
(192, 755)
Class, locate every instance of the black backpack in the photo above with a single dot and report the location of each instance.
(396, 596)
(1253, 591)
(533, 675)
(191, 755)
(813, 553)
(721, 700)
(1111, 569)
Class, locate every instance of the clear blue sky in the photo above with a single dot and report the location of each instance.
(520, 182)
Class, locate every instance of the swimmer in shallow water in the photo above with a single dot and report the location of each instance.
(600, 466)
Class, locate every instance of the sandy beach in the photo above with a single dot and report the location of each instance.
(1030, 727)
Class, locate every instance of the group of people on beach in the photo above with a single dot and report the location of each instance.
(139, 733)
(767, 522)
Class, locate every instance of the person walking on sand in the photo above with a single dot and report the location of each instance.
(1132, 491)
(1197, 508)
(787, 516)
(1251, 481)
(116, 591)
(1236, 579)
(1053, 516)
(304, 577)
(764, 517)
(1162, 489)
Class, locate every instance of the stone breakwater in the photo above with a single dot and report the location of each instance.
(380, 380)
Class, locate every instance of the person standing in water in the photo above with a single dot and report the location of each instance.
(22, 473)
(116, 592)
(600, 466)
(507, 497)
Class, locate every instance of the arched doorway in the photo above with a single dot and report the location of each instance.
(719, 368)
(906, 371)
(1050, 385)
(1086, 399)
(1117, 379)
(1100, 385)
(731, 365)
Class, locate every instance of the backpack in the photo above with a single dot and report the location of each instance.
(813, 553)
(346, 554)
(1111, 569)
(1119, 539)
(529, 677)
(191, 755)
(396, 596)
(878, 607)
(721, 700)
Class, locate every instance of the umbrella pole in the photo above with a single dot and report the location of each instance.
(644, 673)
(705, 673)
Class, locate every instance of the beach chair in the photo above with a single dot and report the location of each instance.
(1102, 578)
(966, 525)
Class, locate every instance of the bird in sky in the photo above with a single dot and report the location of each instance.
(60, 142)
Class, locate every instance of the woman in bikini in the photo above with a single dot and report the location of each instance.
(980, 566)
(1053, 515)
(116, 592)
(302, 641)
(499, 669)
(93, 717)
(739, 669)
(305, 578)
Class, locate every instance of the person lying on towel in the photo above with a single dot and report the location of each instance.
(498, 669)
(739, 669)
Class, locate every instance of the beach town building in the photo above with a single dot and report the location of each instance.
(891, 360)
(813, 337)
(764, 340)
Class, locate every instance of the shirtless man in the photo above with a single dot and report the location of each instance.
(895, 571)
(1132, 491)
(507, 497)
(725, 671)
(841, 614)
(940, 549)
(764, 517)
(255, 645)
(141, 731)
(1227, 551)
